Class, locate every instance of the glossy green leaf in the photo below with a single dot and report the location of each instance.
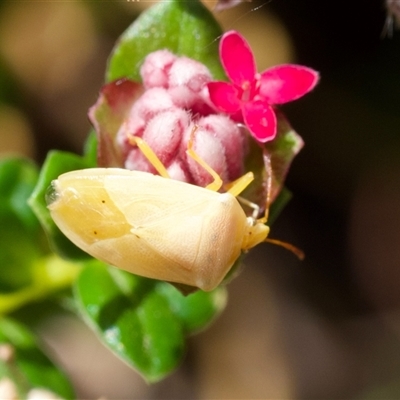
(18, 177)
(24, 365)
(21, 239)
(184, 27)
(143, 321)
(18, 251)
(196, 310)
(57, 163)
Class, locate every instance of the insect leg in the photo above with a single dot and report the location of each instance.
(236, 187)
(149, 154)
(250, 204)
(216, 184)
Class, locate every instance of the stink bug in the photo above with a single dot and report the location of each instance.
(156, 227)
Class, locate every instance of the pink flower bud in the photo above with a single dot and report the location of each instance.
(183, 97)
(190, 73)
(136, 161)
(152, 102)
(178, 171)
(210, 149)
(164, 133)
(187, 78)
(155, 69)
(133, 126)
(232, 139)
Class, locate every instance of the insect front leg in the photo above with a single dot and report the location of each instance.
(255, 207)
(216, 184)
(234, 188)
(149, 154)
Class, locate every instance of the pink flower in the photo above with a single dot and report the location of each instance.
(250, 96)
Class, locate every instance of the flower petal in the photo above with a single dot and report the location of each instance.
(260, 119)
(287, 82)
(237, 58)
(224, 96)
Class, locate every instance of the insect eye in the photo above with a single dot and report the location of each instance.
(51, 194)
(251, 221)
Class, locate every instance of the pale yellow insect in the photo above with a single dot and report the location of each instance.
(156, 227)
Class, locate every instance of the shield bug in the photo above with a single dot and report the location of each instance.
(156, 227)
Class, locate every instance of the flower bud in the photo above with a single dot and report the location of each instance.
(152, 102)
(209, 149)
(155, 69)
(232, 139)
(164, 133)
(187, 78)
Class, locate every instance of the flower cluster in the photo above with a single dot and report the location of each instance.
(174, 101)
(179, 93)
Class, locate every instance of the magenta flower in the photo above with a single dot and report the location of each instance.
(250, 96)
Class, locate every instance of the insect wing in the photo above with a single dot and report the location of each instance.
(145, 224)
(193, 228)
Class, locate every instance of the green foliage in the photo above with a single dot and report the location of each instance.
(19, 229)
(144, 321)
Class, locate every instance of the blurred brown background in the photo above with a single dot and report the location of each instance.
(328, 327)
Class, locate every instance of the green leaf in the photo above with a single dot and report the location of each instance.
(57, 163)
(18, 251)
(21, 239)
(25, 365)
(186, 28)
(18, 177)
(143, 321)
(196, 310)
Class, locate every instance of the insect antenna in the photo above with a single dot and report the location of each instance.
(288, 246)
